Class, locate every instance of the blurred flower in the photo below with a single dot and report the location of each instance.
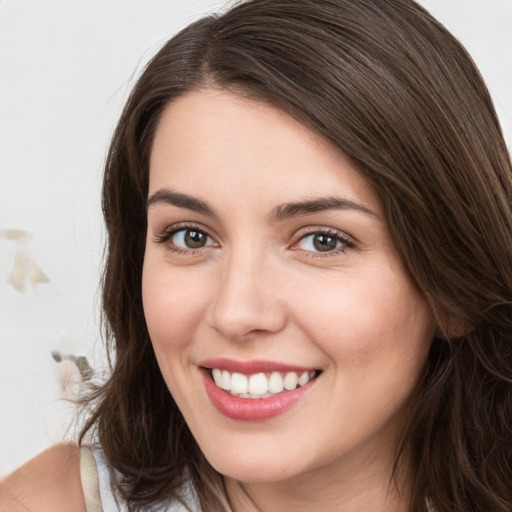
(25, 268)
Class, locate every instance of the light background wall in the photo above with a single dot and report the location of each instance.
(65, 69)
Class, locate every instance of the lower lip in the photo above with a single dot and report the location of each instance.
(252, 409)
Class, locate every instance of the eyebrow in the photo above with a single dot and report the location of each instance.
(309, 207)
(167, 196)
(279, 213)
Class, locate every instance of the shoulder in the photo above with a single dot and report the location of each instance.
(50, 482)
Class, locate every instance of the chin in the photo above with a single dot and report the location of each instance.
(249, 472)
(255, 466)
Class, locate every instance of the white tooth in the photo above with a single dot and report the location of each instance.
(239, 383)
(275, 383)
(226, 380)
(311, 374)
(258, 384)
(304, 379)
(245, 395)
(290, 381)
(217, 376)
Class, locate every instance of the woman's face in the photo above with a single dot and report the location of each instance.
(284, 323)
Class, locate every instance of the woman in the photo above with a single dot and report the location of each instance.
(308, 282)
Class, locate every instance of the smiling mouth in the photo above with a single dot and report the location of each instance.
(260, 385)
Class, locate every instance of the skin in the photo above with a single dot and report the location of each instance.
(49, 482)
(260, 289)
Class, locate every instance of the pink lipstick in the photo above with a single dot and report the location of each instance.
(255, 390)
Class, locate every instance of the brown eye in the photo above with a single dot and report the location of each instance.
(190, 238)
(324, 242)
(195, 239)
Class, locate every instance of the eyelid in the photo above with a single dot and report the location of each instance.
(165, 235)
(348, 242)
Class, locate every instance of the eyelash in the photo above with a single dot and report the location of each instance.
(345, 241)
(167, 234)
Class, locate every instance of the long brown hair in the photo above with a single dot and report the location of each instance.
(394, 91)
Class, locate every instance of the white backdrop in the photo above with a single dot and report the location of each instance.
(65, 69)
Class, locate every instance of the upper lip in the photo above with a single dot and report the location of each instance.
(253, 366)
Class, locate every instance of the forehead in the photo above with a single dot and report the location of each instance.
(211, 141)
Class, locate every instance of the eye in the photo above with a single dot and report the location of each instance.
(323, 242)
(185, 239)
(190, 238)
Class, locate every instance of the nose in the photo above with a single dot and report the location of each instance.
(246, 301)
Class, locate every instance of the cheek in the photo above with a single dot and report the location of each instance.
(365, 322)
(173, 307)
